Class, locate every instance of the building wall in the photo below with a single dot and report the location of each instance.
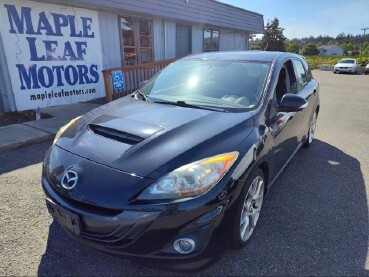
(170, 39)
(7, 102)
(336, 50)
(227, 40)
(159, 39)
(241, 41)
(1, 88)
(332, 51)
(110, 39)
(197, 38)
(232, 41)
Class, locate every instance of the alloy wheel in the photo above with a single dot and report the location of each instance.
(251, 208)
(312, 128)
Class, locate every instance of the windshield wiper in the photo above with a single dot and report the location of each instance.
(187, 105)
(143, 96)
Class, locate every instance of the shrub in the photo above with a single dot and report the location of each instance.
(315, 61)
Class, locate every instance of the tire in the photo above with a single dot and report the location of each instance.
(248, 207)
(334, 72)
(311, 132)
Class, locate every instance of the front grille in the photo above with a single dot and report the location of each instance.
(116, 238)
(88, 207)
(116, 135)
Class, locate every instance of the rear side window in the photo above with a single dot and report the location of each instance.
(300, 73)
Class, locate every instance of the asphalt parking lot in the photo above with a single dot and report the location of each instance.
(314, 220)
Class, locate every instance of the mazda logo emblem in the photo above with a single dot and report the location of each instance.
(69, 180)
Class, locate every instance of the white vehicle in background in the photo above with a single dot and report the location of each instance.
(367, 69)
(347, 66)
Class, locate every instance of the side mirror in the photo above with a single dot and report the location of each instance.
(140, 85)
(292, 103)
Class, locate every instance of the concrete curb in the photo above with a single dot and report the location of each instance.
(17, 145)
(325, 67)
(22, 134)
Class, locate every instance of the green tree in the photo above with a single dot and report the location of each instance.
(347, 46)
(366, 47)
(341, 37)
(292, 47)
(310, 49)
(273, 39)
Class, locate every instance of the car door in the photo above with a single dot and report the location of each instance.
(285, 126)
(307, 88)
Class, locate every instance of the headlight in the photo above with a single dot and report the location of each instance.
(191, 180)
(62, 129)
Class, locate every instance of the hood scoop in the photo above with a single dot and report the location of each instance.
(116, 135)
(122, 129)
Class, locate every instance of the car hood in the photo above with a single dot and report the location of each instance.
(149, 140)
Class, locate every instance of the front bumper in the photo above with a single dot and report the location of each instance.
(143, 231)
(345, 69)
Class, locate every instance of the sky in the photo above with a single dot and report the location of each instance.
(311, 17)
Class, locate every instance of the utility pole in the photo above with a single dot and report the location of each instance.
(362, 44)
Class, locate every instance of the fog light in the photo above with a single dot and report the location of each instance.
(184, 245)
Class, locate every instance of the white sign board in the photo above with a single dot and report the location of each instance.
(53, 53)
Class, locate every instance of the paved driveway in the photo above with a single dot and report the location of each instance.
(314, 221)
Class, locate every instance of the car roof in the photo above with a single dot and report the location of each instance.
(262, 56)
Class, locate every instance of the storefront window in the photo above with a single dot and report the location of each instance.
(145, 33)
(128, 36)
(137, 40)
(211, 40)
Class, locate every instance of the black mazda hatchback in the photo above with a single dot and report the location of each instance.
(158, 173)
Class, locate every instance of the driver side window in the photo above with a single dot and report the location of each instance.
(286, 81)
(301, 73)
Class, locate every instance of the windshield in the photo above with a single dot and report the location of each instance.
(221, 84)
(346, 61)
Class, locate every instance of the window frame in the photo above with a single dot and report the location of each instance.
(137, 38)
(212, 30)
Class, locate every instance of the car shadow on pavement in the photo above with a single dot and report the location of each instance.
(314, 222)
(23, 157)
